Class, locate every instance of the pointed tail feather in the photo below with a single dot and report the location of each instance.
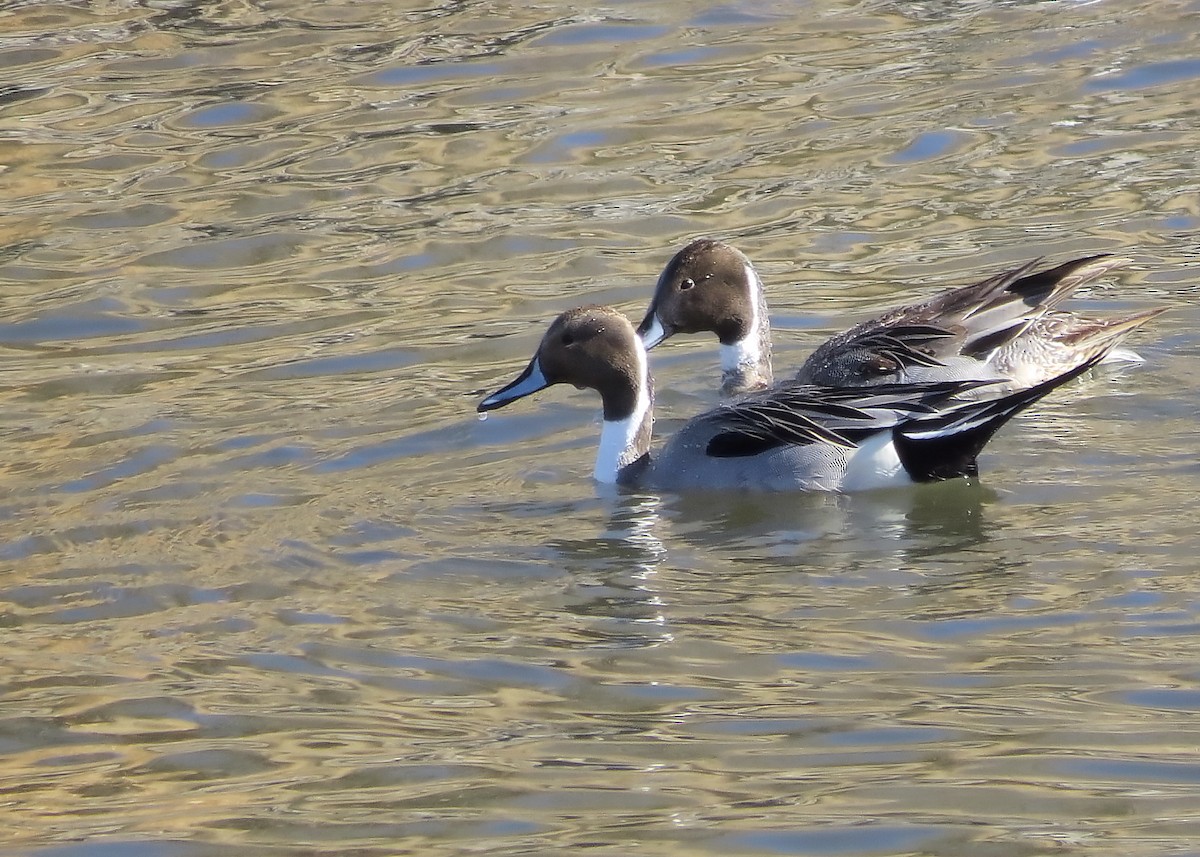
(947, 444)
(965, 300)
(1051, 287)
(1009, 312)
(1101, 335)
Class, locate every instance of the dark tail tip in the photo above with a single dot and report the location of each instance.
(946, 445)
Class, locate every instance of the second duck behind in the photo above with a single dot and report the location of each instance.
(1006, 328)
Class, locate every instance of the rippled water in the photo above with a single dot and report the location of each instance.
(267, 586)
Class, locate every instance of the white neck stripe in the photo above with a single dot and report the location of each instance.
(619, 438)
(746, 353)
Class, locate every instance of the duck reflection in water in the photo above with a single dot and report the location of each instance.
(616, 575)
(796, 530)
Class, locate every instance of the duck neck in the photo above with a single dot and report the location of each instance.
(746, 362)
(625, 433)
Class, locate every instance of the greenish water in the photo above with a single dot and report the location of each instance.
(267, 585)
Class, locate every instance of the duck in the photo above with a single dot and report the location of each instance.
(790, 437)
(1006, 328)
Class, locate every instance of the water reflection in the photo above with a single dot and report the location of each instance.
(922, 521)
(615, 574)
(268, 586)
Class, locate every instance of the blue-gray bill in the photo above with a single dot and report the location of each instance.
(529, 381)
(651, 330)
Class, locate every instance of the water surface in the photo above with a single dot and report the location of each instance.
(269, 587)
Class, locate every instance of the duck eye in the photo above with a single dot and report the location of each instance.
(568, 339)
(686, 284)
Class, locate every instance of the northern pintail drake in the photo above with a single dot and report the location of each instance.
(1006, 328)
(790, 437)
